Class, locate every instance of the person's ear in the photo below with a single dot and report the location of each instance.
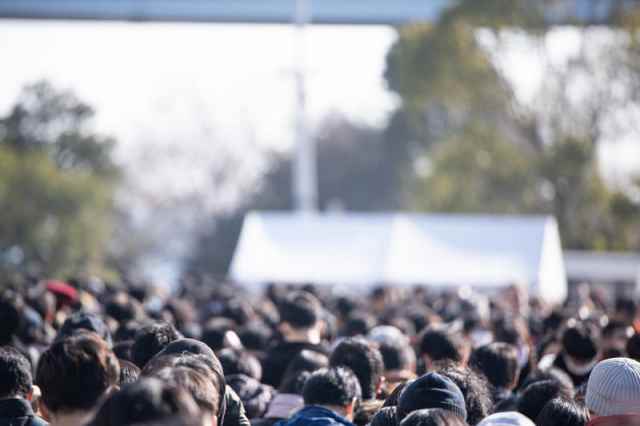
(349, 409)
(44, 411)
(381, 382)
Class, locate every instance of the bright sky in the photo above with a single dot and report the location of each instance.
(165, 87)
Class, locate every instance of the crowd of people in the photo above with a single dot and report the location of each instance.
(91, 353)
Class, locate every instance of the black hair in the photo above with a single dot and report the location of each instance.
(146, 400)
(358, 324)
(331, 386)
(15, 373)
(442, 345)
(82, 321)
(215, 331)
(197, 382)
(633, 347)
(364, 359)
(300, 310)
(396, 356)
(300, 367)
(498, 362)
(433, 417)
(240, 362)
(386, 416)
(475, 389)
(562, 412)
(122, 349)
(9, 318)
(122, 308)
(536, 395)
(255, 336)
(150, 340)
(580, 341)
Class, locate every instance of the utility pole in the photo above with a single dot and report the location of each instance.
(305, 180)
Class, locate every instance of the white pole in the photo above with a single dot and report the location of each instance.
(305, 185)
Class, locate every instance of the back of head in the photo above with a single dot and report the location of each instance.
(15, 374)
(433, 417)
(580, 341)
(386, 416)
(197, 384)
(300, 310)
(236, 361)
(498, 362)
(536, 395)
(334, 386)
(147, 400)
(507, 418)
(9, 318)
(441, 345)
(562, 412)
(364, 359)
(633, 347)
(433, 390)
(85, 321)
(74, 373)
(614, 387)
(150, 340)
(474, 388)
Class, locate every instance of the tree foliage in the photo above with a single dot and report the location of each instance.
(57, 180)
(488, 151)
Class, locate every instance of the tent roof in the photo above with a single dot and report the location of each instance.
(403, 249)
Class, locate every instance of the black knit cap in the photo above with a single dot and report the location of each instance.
(432, 390)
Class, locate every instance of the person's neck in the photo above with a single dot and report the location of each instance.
(73, 418)
(309, 335)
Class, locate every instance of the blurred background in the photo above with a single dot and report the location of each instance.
(133, 142)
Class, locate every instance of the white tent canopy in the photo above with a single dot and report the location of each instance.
(402, 249)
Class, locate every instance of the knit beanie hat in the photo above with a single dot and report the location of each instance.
(507, 418)
(432, 390)
(614, 387)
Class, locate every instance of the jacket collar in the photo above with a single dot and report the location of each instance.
(318, 411)
(15, 407)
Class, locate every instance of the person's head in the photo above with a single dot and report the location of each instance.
(336, 388)
(498, 362)
(195, 355)
(433, 390)
(536, 395)
(146, 400)
(433, 417)
(85, 321)
(474, 388)
(305, 362)
(507, 418)
(386, 416)
(580, 346)
(614, 388)
(9, 318)
(633, 347)
(254, 395)
(365, 360)
(562, 412)
(75, 373)
(150, 340)
(440, 346)
(240, 362)
(196, 383)
(15, 374)
(300, 316)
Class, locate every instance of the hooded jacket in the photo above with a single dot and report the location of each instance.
(314, 415)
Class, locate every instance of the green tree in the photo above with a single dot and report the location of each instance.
(486, 150)
(57, 181)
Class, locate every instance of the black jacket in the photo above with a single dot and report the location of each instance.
(278, 358)
(18, 412)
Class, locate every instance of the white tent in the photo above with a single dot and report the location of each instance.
(402, 249)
